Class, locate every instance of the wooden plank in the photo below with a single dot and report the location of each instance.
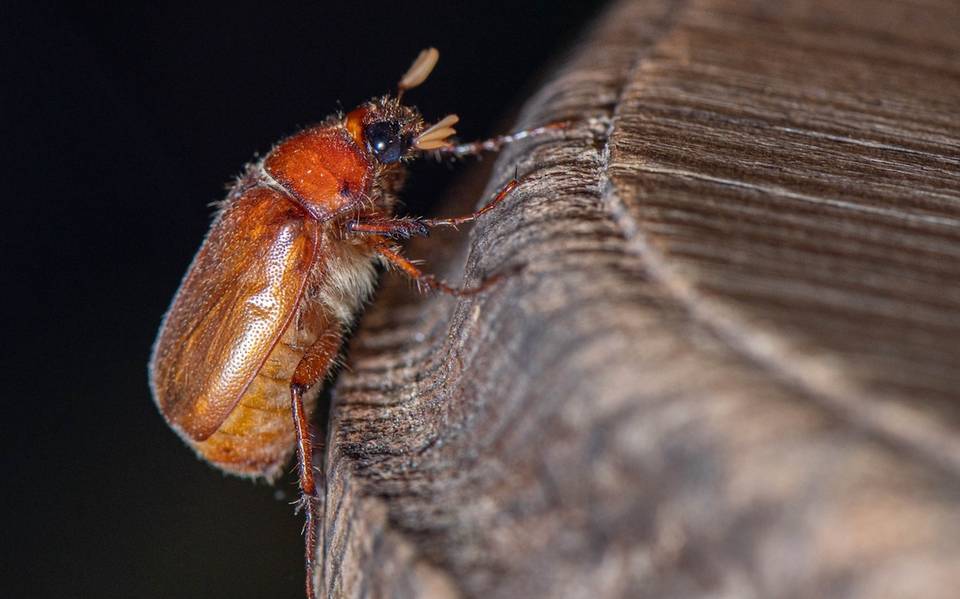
(730, 364)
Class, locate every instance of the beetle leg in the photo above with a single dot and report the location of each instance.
(428, 281)
(407, 227)
(459, 220)
(312, 368)
(493, 144)
(394, 228)
(307, 483)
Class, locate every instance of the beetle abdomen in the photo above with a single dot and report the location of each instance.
(257, 438)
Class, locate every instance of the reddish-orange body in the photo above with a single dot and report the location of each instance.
(259, 318)
(274, 276)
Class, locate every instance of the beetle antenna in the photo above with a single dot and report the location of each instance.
(419, 71)
(436, 135)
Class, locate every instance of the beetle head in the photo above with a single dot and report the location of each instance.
(391, 131)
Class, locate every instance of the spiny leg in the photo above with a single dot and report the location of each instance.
(403, 227)
(407, 227)
(311, 369)
(495, 143)
(429, 281)
(308, 487)
(459, 220)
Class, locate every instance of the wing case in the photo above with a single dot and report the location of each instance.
(235, 302)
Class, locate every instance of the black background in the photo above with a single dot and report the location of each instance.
(119, 126)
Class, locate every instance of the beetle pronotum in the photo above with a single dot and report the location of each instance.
(290, 258)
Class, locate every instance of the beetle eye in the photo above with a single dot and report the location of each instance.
(384, 141)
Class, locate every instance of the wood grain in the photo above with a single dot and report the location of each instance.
(730, 364)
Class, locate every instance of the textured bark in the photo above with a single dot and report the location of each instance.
(730, 364)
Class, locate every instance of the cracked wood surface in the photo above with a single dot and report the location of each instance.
(730, 365)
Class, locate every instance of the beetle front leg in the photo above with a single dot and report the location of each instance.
(501, 194)
(494, 144)
(393, 228)
(312, 368)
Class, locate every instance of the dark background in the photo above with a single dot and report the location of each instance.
(119, 126)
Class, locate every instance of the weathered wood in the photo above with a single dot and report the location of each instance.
(730, 365)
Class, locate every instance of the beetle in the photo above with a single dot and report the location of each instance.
(259, 319)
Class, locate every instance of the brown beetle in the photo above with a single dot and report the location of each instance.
(259, 318)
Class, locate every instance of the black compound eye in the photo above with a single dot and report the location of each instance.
(384, 141)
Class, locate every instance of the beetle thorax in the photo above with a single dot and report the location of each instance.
(322, 169)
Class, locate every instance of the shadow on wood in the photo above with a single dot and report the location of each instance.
(730, 364)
